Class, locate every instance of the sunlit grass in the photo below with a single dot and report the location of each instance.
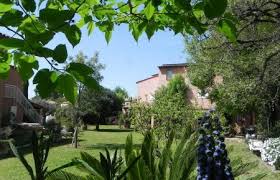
(111, 137)
(91, 141)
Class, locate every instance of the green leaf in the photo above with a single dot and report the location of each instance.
(44, 37)
(25, 65)
(214, 8)
(84, 21)
(91, 83)
(5, 5)
(83, 73)
(29, 5)
(46, 82)
(123, 7)
(4, 70)
(149, 10)
(105, 26)
(5, 61)
(48, 15)
(184, 5)
(198, 10)
(200, 28)
(79, 68)
(5, 57)
(11, 43)
(108, 35)
(12, 18)
(227, 27)
(92, 162)
(137, 30)
(150, 29)
(33, 25)
(90, 27)
(60, 53)
(68, 86)
(73, 34)
(20, 156)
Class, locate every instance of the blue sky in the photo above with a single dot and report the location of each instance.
(126, 60)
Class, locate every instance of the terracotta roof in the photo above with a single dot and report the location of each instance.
(153, 76)
(173, 65)
(164, 66)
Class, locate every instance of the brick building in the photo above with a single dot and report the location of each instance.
(147, 87)
(13, 104)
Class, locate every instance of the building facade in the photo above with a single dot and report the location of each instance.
(147, 87)
(14, 106)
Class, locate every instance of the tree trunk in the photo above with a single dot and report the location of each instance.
(76, 137)
(97, 125)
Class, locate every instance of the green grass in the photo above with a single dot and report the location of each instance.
(239, 149)
(90, 141)
(111, 137)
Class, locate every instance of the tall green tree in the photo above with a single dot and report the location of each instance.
(96, 66)
(170, 106)
(99, 105)
(121, 93)
(248, 64)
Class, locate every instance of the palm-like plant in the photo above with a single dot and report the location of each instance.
(40, 150)
(165, 164)
(106, 168)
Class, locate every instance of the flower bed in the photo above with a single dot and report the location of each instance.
(269, 150)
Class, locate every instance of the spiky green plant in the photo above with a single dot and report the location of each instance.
(40, 150)
(106, 168)
(162, 164)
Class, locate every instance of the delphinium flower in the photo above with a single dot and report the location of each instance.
(213, 162)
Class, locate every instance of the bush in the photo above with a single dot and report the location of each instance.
(170, 108)
(66, 117)
(140, 115)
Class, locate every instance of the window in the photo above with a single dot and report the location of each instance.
(169, 74)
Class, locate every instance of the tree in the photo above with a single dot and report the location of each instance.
(170, 108)
(99, 105)
(33, 25)
(92, 62)
(140, 115)
(121, 93)
(96, 66)
(247, 64)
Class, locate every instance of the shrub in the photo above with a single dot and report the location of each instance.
(140, 115)
(170, 107)
(66, 116)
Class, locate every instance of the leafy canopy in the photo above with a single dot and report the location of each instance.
(34, 25)
(248, 67)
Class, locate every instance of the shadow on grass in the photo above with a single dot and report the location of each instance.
(27, 149)
(111, 130)
(108, 146)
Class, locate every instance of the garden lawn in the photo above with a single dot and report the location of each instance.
(111, 137)
(239, 149)
(90, 141)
